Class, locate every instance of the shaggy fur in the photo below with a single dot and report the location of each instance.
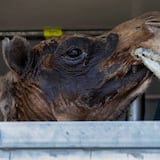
(76, 77)
(7, 99)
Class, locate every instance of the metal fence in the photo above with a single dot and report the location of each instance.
(80, 140)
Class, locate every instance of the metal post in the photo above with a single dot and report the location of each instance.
(137, 108)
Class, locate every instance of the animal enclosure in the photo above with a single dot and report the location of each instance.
(77, 140)
(134, 136)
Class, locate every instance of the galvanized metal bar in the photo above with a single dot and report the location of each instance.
(80, 135)
(71, 154)
(79, 154)
(136, 110)
(39, 34)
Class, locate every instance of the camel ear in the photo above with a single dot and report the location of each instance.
(16, 53)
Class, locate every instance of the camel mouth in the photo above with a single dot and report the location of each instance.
(150, 59)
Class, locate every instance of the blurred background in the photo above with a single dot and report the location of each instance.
(30, 18)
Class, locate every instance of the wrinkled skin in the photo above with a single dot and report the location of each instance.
(77, 77)
(73, 78)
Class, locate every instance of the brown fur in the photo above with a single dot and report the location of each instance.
(7, 98)
(42, 91)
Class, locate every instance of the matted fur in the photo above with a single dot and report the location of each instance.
(96, 82)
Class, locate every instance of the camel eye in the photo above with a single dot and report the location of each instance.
(74, 56)
(74, 52)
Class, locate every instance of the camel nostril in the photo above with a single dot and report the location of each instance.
(112, 37)
(137, 27)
